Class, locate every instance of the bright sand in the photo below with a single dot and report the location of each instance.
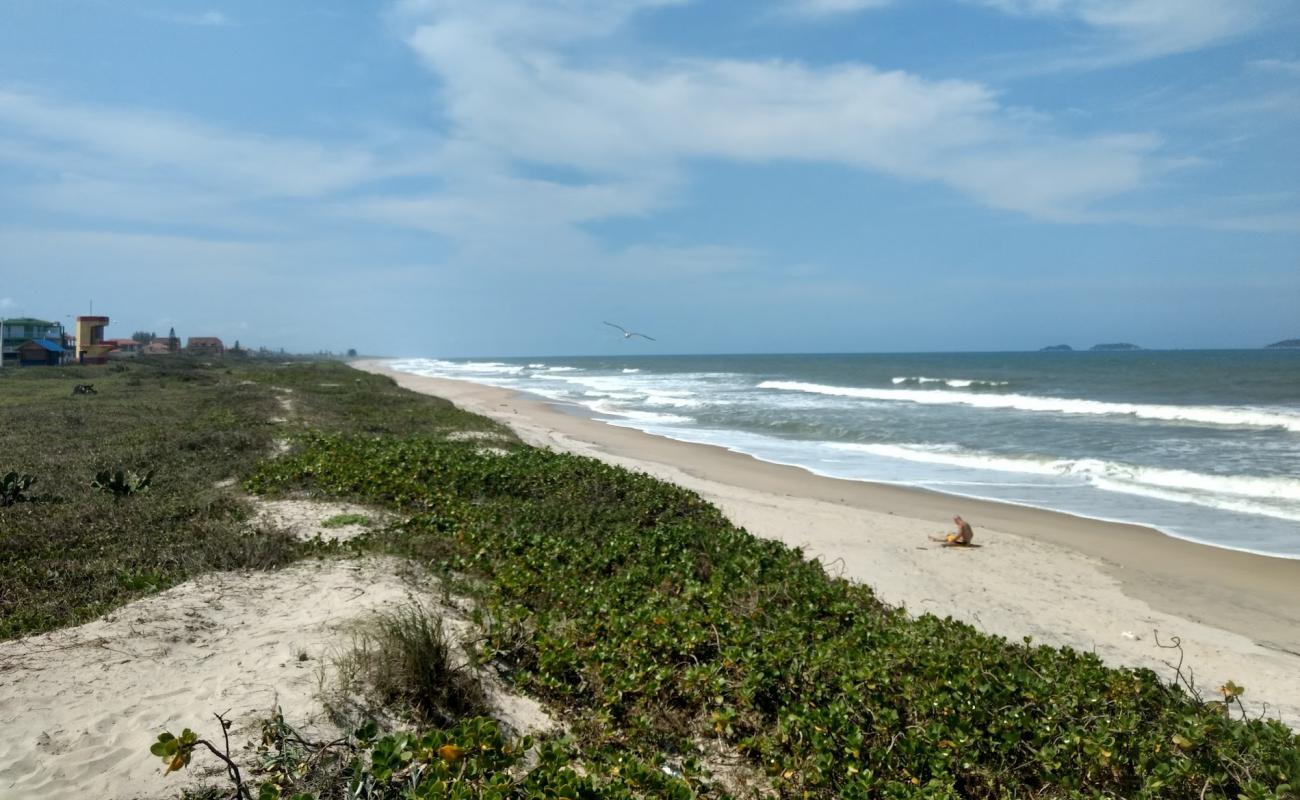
(1065, 580)
(79, 707)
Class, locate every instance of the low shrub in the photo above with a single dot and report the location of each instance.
(14, 486)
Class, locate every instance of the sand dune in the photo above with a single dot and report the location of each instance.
(79, 707)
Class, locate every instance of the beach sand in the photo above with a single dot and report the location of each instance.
(1114, 589)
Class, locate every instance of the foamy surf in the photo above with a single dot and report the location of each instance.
(954, 383)
(1196, 415)
(1272, 496)
(1198, 446)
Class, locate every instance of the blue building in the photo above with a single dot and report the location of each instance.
(40, 353)
(15, 332)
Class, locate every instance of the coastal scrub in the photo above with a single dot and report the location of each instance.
(657, 624)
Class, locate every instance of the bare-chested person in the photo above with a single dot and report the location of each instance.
(963, 536)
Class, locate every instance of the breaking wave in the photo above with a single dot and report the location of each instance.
(954, 383)
(1277, 497)
(1200, 415)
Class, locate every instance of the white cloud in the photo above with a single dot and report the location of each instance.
(208, 19)
(1279, 65)
(827, 8)
(534, 103)
(177, 147)
(1114, 31)
(1134, 30)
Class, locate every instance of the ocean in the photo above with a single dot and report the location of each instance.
(1201, 445)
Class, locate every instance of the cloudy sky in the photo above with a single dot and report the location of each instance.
(468, 177)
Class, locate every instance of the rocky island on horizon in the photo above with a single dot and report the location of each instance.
(1115, 346)
(1285, 344)
(1056, 348)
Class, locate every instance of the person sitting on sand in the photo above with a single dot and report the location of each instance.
(963, 536)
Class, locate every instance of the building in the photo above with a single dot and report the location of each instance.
(124, 348)
(91, 348)
(40, 353)
(205, 346)
(162, 345)
(15, 332)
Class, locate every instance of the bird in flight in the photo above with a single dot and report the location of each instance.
(627, 334)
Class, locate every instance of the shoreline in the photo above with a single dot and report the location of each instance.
(578, 410)
(1064, 579)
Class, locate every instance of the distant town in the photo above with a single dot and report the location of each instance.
(30, 342)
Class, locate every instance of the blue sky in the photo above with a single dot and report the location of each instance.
(466, 177)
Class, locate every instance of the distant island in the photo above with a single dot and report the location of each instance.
(1064, 348)
(1285, 344)
(1115, 346)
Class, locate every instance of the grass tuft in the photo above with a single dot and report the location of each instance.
(405, 662)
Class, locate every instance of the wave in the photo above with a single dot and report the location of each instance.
(630, 371)
(1270, 496)
(955, 383)
(1201, 415)
(434, 367)
(537, 366)
(639, 416)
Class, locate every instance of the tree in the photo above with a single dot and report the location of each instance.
(352, 352)
(144, 337)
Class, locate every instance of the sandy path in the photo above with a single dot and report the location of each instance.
(1064, 580)
(79, 707)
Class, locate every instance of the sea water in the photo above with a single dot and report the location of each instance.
(1202, 445)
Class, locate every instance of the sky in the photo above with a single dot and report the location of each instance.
(477, 178)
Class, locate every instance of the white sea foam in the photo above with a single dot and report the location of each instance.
(954, 383)
(561, 369)
(676, 399)
(1272, 496)
(636, 415)
(629, 371)
(1198, 415)
(537, 366)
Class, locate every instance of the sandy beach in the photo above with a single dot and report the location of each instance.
(1117, 590)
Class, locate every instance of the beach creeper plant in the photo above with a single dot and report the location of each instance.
(471, 760)
(657, 625)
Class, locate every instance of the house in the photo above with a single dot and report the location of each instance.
(15, 332)
(163, 345)
(124, 348)
(39, 353)
(205, 346)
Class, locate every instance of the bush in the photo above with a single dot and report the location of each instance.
(13, 488)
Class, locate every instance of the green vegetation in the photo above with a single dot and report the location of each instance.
(405, 661)
(13, 488)
(92, 541)
(657, 624)
(341, 520)
(122, 483)
(677, 646)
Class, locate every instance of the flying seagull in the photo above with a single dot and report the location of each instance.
(627, 334)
